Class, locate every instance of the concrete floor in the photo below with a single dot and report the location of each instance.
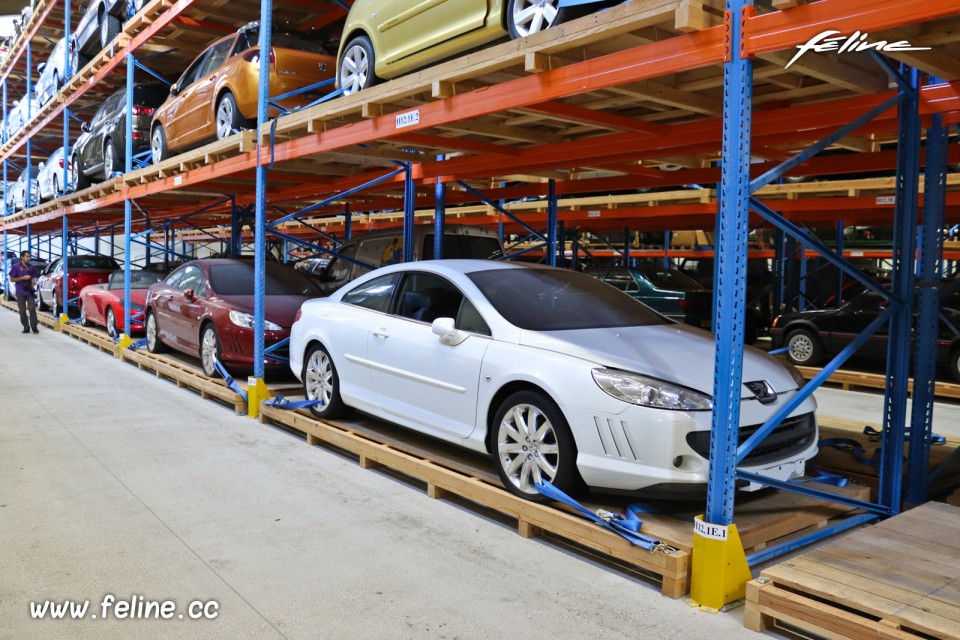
(114, 482)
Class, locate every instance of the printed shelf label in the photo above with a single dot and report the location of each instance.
(707, 530)
(408, 119)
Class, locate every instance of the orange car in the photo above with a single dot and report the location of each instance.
(217, 94)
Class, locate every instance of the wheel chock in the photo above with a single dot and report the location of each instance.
(720, 572)
(257, 392)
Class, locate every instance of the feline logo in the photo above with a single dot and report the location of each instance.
(827, 41)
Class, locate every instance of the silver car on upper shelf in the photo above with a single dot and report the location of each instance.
(53, 73)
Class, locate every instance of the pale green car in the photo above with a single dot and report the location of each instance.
(384, 39)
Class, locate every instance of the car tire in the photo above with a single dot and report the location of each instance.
(955, 364)
(210, 350)
(109, 29)
(523, 452)
(227, 118)
(56, 84)
(110, 320)
(322, 382)
(154, 343)
(158, 144)
(78, 61)
(526, 17)
(57, 309)
(39, 298)
(79, 180)
(55, 185)
(356, 67)
(84, 321)
(805, 348)
(109, 159)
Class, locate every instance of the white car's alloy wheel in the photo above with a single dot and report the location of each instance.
(527, 447)
(318, 381)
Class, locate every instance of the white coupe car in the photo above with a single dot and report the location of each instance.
(556, 375)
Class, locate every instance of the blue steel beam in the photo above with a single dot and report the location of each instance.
(339, 196)
(439, 214)
(770, 553)
(409, 209)
(730, 272)
(260, 214)
(889, 492)
(797, 399)
(498, 207)
(928, 314)
(127, 210)
(552, 220)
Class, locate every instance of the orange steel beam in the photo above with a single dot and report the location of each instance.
(138, 40)
(788, 28)
(20, 46)
(680, 53)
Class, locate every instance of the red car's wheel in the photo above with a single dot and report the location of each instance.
(209, 350)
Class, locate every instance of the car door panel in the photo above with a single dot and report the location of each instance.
(418, 377)
(406, 30)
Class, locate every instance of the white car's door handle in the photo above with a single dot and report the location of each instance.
(381, 333)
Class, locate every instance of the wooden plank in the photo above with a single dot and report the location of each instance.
(769, 602)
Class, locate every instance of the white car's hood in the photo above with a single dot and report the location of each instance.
(672, 352)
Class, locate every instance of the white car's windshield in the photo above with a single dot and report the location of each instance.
(560, 300)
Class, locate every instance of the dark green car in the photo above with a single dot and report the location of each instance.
(668, 291)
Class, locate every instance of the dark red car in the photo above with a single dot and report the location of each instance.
(102, 304)
(205, 308)
(81, 271)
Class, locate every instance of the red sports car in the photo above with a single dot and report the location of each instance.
(205, 308)
(81, 271)
(102, 304)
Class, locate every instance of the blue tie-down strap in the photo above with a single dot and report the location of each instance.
(142, 342)
(229, 380)
(823, 477)
(626, 527)
(854, 447)
(282, 403)
(874, 435)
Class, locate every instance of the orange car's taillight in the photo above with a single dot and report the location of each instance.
(253, 56)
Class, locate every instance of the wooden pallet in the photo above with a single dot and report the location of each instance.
(762, 519)
(843, 463)
(897, 580)
(856, 379)
(94, 337)
(187, 377)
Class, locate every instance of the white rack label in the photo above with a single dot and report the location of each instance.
(886, 200)
(177, 180)
(706, 530)
(408, 119)
(593, 214)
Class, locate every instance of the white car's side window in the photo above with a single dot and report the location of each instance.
(374, 295)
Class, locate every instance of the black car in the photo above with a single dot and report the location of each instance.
(99, 151)
(815, 336)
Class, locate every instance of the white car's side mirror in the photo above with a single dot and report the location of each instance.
(448, 332)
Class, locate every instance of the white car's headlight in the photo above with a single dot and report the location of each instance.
(650, 392)
(246, 321)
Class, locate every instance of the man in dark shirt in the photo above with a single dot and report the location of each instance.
(25, 276)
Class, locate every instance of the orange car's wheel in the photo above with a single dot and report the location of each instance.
(158, 144)
(228, 118)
